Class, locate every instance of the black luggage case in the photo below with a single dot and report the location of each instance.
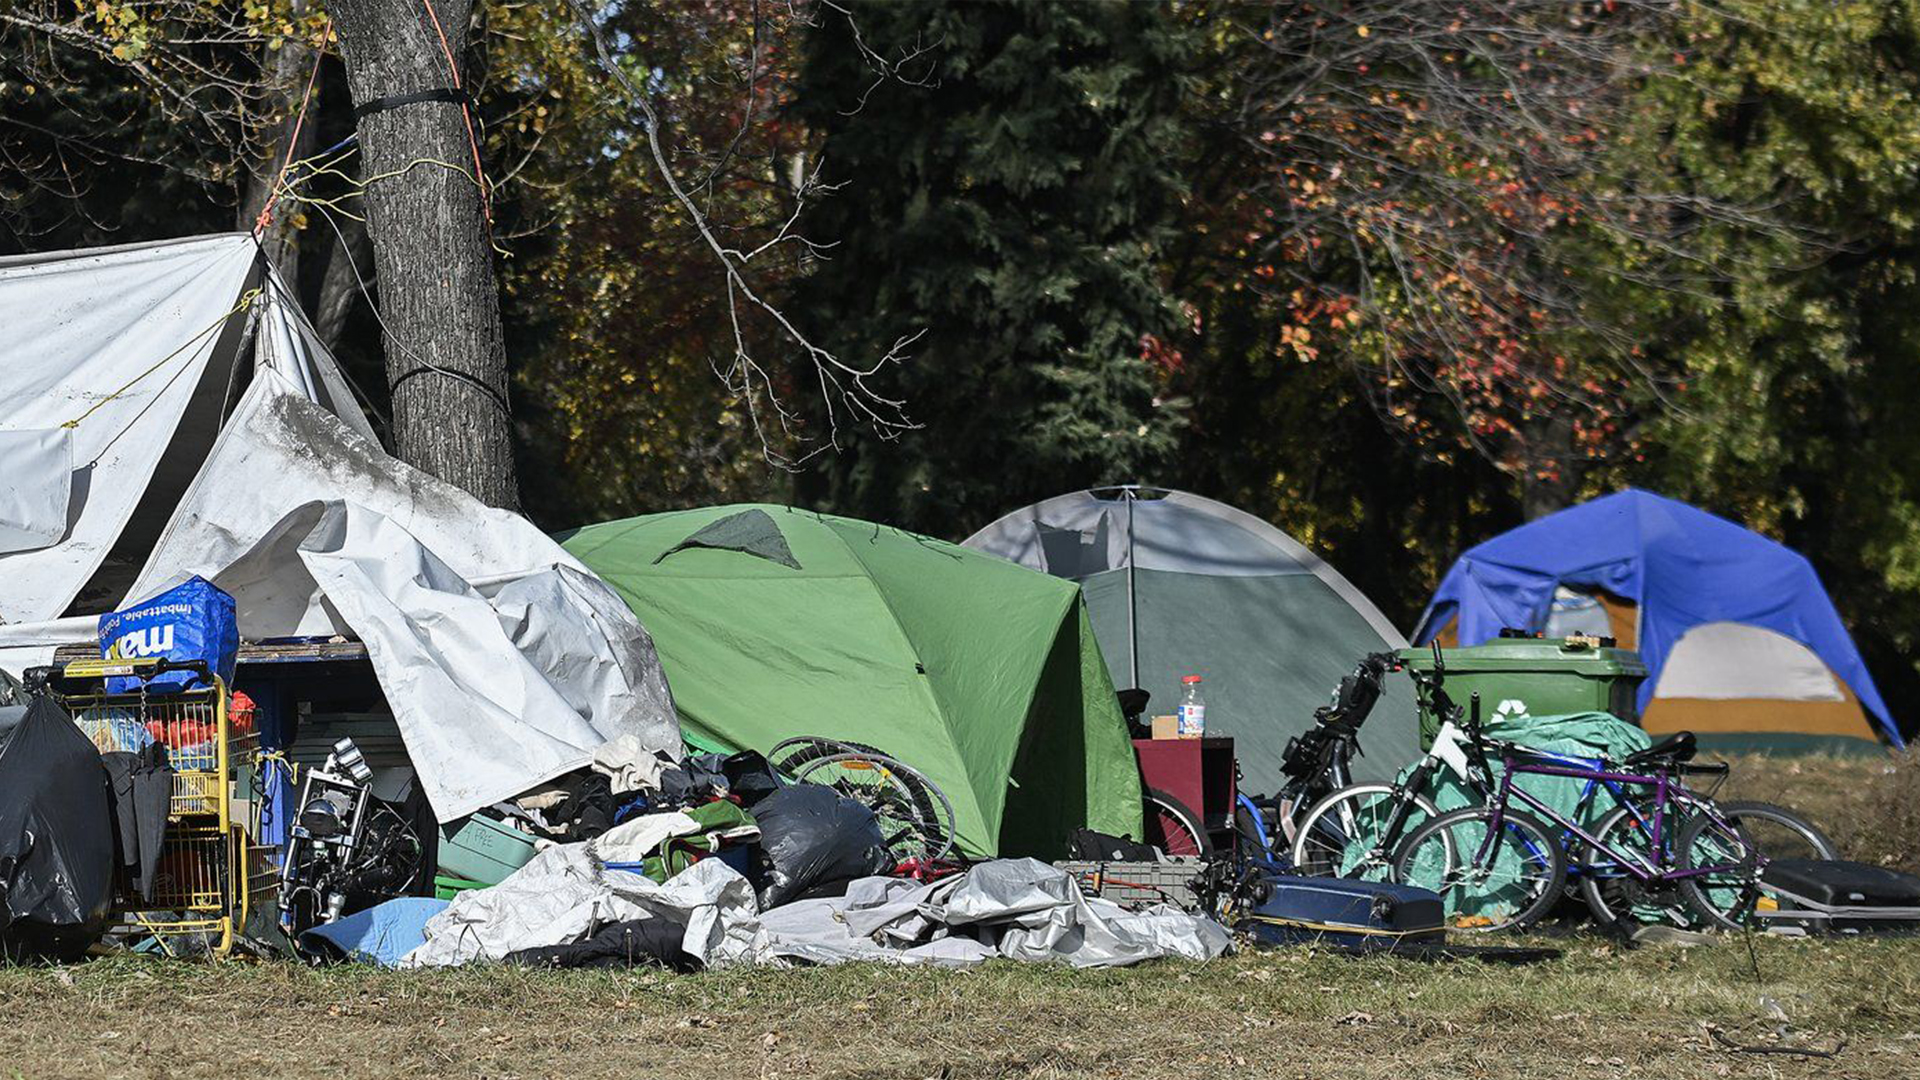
(1821, 895)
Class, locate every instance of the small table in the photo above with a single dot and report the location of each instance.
(1199, 773)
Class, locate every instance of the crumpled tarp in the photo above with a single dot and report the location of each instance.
(1020, 909)
(566, 895)
(383, 934)
(506, 662)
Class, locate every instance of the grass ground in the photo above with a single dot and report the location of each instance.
(1596, 1012)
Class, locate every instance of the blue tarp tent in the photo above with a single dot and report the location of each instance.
(1685, 569)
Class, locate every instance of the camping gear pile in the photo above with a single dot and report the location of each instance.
(720, 861)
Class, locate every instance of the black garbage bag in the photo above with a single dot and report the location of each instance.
(1094, 846)
(750, 777)
(812, 839)
(56, 838)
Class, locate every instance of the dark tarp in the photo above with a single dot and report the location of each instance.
(56, 837)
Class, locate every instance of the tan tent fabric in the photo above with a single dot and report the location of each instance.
(1771, 716)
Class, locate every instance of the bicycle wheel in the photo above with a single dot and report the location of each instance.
(789, 755)
(916, 818)
(1173, 827)
(1725, 896)
(1777, 832)
(1487, 881)
(1325, 839)
(1616, 896)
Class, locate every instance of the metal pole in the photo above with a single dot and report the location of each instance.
(1133, 634)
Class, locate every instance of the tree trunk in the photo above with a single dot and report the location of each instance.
(446, 358)
(339, 282)
(287, 69)
(1549, 472)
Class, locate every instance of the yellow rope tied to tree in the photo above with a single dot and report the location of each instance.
(246, 301)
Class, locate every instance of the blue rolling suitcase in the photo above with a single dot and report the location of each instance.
(1283, 909)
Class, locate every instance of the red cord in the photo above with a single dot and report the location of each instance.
(273, 194)
(473, 141)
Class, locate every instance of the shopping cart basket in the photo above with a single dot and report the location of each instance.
(200, 885)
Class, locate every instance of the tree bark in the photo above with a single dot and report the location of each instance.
(1549, 471)
(446, 356)
(287, 69)
(339, 282)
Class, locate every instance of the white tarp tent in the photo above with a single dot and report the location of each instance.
(505, 661)
(128, 355)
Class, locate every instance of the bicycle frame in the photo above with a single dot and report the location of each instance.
(1661, 781)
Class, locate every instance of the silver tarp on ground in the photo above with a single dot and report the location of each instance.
(1020, 909)
(566, 894)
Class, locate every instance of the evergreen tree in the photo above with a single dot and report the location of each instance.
(1010, 199)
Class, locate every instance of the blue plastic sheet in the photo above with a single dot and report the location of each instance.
(382, 934)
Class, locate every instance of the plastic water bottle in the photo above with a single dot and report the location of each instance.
(1193, 710)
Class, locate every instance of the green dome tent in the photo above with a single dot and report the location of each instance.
(772, 622)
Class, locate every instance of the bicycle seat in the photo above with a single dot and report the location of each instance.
(1674, 749)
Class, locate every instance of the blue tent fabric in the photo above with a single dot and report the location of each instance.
(382, 934)
(1683, 566)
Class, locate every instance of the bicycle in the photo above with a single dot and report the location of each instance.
(1344, 811)
(1317, 762)
(1382, 814)
(1506, 867)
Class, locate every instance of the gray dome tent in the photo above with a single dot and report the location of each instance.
(1177, 584)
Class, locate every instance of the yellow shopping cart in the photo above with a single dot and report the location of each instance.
(200, 886)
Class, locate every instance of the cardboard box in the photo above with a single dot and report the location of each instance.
(1166, 727)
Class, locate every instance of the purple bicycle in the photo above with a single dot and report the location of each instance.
(1499, 867)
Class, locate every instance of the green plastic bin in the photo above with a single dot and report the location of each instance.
(483, 850)
(1534, 677)
(446, 888)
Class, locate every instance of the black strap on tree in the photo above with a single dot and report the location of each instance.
(447, 94)
(457, 376)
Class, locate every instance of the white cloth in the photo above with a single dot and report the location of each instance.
(562, 897)
(628, 765)
(634, 839)
(35, 487)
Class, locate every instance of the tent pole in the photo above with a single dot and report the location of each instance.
(1133, 634)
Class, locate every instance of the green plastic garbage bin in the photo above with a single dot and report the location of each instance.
(1534, 677)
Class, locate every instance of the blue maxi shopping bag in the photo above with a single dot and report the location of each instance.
(191, 621)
